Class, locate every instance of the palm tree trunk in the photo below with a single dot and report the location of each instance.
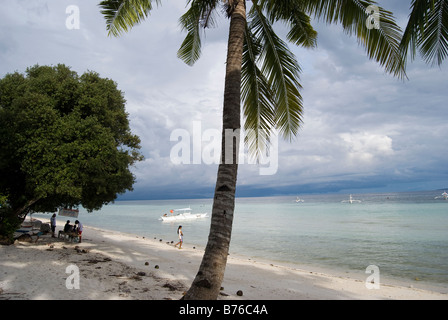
(207, 282)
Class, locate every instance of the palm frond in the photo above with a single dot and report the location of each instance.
(381, 42)
(427, 30)
(280, 68)
(257, 98)
(199, 15)
(415, 26)
(301, 32)
(122, 15)
(433, 40)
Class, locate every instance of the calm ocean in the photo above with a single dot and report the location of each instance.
(404, 234)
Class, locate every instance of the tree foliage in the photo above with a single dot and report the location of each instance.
(65, 140)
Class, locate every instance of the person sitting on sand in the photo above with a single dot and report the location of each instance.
(181, 237)
(68, 227)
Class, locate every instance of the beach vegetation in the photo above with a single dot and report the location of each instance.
(262, 80)
(65, 142)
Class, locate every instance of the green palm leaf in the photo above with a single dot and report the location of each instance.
(257, 97)
(433, 41)
(414, 27)
(427, 29)
(122, 15)
(381, 43)
(301, 32)
(200, 15)
(280, 68)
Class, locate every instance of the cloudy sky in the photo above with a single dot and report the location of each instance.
(363, 130)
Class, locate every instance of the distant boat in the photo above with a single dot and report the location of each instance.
(351, 200)
(298, 200)
(444, 196)
(182, 215)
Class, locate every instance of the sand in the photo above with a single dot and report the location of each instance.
(114, 265)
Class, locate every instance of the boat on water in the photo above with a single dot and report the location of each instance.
(298, 200)
(351, 200)
(182, 215)
(444, 196)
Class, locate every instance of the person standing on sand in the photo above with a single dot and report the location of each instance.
(181, 237)
(79, 229)
(53, 225)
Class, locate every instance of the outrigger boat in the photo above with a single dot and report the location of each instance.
(298, 200)
(182, 215)
(444, 196)
(351, 200)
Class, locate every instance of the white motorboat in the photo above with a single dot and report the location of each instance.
(182, 215)
(444, 196)
(351, 200)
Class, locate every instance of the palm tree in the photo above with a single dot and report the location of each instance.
(427, 29)
(263, 73)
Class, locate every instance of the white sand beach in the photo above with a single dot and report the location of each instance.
(115, 265)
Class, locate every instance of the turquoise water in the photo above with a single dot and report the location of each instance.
(404, 234)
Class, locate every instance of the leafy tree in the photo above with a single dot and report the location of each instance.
(263, 73)
(65, 141)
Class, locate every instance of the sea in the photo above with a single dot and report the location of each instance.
(404, 235)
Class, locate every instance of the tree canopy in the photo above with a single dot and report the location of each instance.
(65, 141)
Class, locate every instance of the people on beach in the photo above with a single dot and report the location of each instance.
(181, 237)
(53, 225)
(79, 229)
(68, 227)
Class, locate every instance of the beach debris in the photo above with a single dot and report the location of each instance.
(160, 240)
(174, 286)
(136, 277)
(122, 287)
(156, 266)
(95, 261)
(146, 263)
(223, 294)
(239, 293)
(169, 286)
(80, 250)
(24, 238)
(141, 273)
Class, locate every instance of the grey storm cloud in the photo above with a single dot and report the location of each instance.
(362, 129)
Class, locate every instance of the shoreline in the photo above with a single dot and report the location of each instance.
(117, 265)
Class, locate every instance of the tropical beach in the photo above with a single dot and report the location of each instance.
(124, 266)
